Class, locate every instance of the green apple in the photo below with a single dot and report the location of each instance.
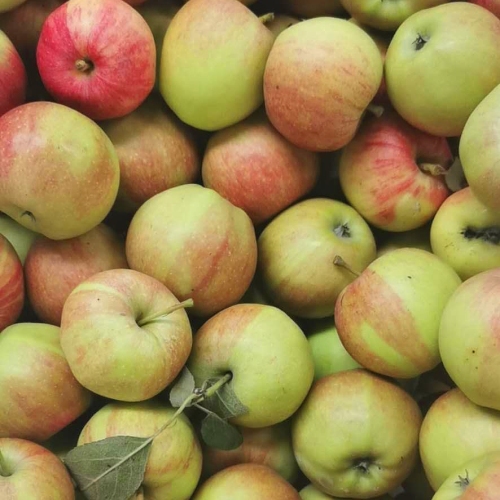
(214, 42)
(280, 22)
(388, 318)
(19, 236)
(310, 492)
(416, 238)
(6, 5)
(454, 431)
(435, 74)
(356, 435)
(267, 355)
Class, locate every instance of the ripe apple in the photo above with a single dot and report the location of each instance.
(39, 394)
(454, 431)
(214, 42)
(19, 236)
(388, 318)
(156, 152)
(13, 77)
(356, 435)
(320, 77)
(435, 76)
(492, 5)
(117, 321)
(246, 482)
(280, 22)
(195, 242)
(98, 57)
(54, 268)
(30, 471)
(173, 467)
(257, 169)
(298, 247)
(59, 171)
(392, 173)
(267, 355)
(312, 8)
(416, 238)
(6, 5)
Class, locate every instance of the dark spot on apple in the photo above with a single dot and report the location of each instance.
(409, 277)
(277, 87)
(473, 351)
(490, 234)
(420, 41)
(342, 231)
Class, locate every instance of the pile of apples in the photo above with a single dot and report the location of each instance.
(249, 250)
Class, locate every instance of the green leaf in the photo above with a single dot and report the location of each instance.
(182, 389)
(225, 403)
(109, 469)
(217, 433)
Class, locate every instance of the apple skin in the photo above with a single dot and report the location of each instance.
(257, 169)
(267, 354)
(35, 379)
(174, 463)
(454, 431)
(246, 482)
(436, 89)
(104, 313)
(281, 22)
(352, 421)
(310, 492)
(492, 5)
(214, 42)
(416, 238)
(13, 77)
(212, 247)
(35, 472)
(6, 5)
(87, 63)
(382, 173)
(388, 318)
(59, 171)
(312, 8)
(296, 253)
(20, 237)
(320, 77)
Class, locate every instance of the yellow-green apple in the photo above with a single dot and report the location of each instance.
(54, 268)
(388, 318)
(174, 462)
(492, 5)
(466, 234)
(329, 354)
(197, 243)
(312, 8)
(356, 435)
(117, 321)
(19, 236)
(156, 152)
(257, 169)
(12, 289)
(30, 471)
(214, 42)
(392, 173)
(468, 338)
(454, 431)
(39, 394)
(280, 22)
(310, 492)
(246, 482)
(435, 76)
(267, 355)
(6, 5)
(416, 238)
(319, 79)
(298, 247)
(271, 446)
(480, 151)
(13, 77)
(97, 56)
(59, 171)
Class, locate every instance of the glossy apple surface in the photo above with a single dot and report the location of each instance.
(19, 236)
(13, 77)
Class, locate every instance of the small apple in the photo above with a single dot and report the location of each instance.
(492, 5)
(280, 22)
(13, 77)
(19, 236)
(312, 8)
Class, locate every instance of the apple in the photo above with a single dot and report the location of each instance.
(319, 79)
(257, 169)
(267, 355)
(246, 482)
(59, 171)
(271, 446)
(54, 268)
(312, 8)
(12, 291)
(356, 435)
(492, 5)
(6, 5)
(13, 77)
(98, 57)
(29, 470)
(174, 462)
(244, 2)
(436, 89)
(388, 318)
(392, 173)
(39, 394)
(19, 236)
(214, 42)
(195, 242)
(416, 238)
(417, 485)
(280, 22)
(298, 247)
(119, 320)
(310, 492)
(454, 431)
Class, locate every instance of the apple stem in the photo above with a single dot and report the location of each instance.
(170, 310)
(84, 66)
(339, 261)
(376, 109)
(4, 470)
(266, 18)
(432, 168)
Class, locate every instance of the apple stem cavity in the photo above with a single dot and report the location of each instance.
(376, 110)
(489, 234)
(170, 310)
(266, 18)
(4, 470)
(84, 65)
(339, 261)
(434, 169)
(420, 41)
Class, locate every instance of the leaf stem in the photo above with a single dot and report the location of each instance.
(170, 310)
(4, 470)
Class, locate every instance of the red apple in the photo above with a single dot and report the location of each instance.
(257, 169)
(98, 57)
(492, 5)
(13, 78)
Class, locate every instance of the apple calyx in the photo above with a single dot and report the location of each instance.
(490, 234)
(363, 465)
(4, 470)
(170, 310)
(434, 169)
(266, 18)
(420, 41)
(463, 482)
(342, 231)
(339, 261)
(84, 65)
